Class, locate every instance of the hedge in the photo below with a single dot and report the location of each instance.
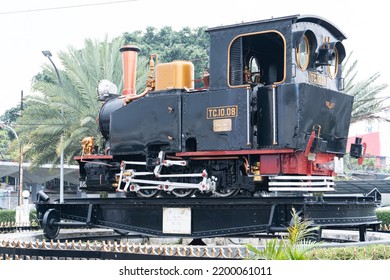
(8, 216)
(383, 215)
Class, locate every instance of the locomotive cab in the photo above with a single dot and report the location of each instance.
(257, 59)
(272, 110)
(292, 67)
(293, 49)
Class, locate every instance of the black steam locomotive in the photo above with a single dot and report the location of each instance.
(269, 118)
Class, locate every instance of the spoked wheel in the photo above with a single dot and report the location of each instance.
(148, 193)
(183, 192)
(226, 192)
(50, 229)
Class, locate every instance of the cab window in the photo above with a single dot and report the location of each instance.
(257, 58)
(302, 53)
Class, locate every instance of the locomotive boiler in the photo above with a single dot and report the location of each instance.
(270, 117)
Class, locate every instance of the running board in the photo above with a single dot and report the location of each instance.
(301, 183)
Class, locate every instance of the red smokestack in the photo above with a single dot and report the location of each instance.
(129, 58)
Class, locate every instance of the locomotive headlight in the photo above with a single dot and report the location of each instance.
(106, 89)
(325, 56)
(331, 55)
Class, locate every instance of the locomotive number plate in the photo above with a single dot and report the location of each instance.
(222, 112)
(317, 79)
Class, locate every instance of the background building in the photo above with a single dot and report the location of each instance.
(44, 178)
(376, 133)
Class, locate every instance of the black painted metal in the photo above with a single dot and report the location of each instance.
(289, 28)
(49, 220)
(213, 217)
(222, 37)
(159, 113)
(295, 123)
(199, 126)
(15, 228)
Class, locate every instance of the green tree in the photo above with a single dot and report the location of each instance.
(10, 117)
(4, 143)
(185, 44)
(59, 116)
(367, 103)
(6, 136)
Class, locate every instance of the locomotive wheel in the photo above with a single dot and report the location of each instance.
(50, 230)
(226, 192)
(183, 192)
(148, 193)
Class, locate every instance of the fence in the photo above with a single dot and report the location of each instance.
(43, 250)
(8, 201)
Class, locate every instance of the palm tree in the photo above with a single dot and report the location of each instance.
(58, 116)
(367, 103)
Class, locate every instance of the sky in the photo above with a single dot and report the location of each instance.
(29, 27)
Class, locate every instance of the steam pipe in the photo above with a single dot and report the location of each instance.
(130, 97)
(274, 120)
(150, 82)
(248, 123)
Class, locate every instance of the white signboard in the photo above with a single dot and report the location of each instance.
(177, 220)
